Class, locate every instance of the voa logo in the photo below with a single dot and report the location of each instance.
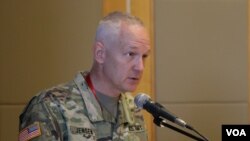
(236, 132)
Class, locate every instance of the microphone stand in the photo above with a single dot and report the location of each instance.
(162, 123)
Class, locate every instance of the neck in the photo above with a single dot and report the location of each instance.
(100, 84)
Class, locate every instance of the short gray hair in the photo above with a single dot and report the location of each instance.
(109, 26)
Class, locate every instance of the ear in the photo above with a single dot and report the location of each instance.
(99, 52)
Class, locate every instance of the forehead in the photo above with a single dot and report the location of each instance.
(135, 36)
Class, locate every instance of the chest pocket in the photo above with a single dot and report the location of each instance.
(135, 132)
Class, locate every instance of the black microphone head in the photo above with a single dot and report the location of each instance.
(140, 99)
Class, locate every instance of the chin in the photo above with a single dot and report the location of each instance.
(131, 89)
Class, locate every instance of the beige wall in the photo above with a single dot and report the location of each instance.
(201, 64)
(42, 43)
(201, 57)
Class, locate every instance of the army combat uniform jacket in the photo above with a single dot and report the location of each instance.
(70, 112)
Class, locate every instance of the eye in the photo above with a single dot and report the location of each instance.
(131, 54)
(145, 56)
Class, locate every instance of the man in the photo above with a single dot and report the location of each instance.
(96, 105)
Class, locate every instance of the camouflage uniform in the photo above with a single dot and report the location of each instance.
(70, 112)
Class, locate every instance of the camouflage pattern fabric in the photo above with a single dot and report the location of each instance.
(70, 112)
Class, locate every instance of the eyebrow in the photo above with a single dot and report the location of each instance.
(149, 51)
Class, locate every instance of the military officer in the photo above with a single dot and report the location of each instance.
(96, 105)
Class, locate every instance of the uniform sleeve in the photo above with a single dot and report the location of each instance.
(40, 121)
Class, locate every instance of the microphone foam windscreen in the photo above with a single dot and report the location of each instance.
(141, 99)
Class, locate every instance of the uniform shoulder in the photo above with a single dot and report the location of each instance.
(58, 92)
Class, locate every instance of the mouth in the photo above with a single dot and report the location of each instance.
(134, 78)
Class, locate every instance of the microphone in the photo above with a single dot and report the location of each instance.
(157, 110)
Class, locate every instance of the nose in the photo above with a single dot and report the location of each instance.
(139, 66)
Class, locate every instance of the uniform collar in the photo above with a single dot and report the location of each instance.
(93, 107)
(95, 113)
